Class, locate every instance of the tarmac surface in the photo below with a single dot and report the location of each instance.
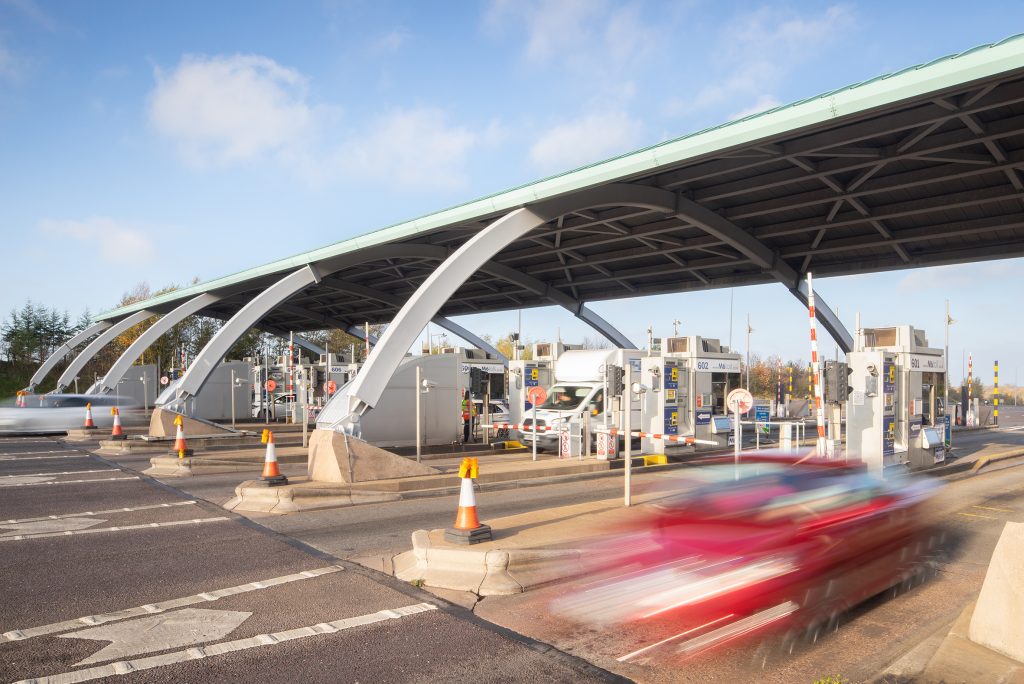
(108, 573)
(96, 555)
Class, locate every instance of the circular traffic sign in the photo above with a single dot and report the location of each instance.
(332, 387)
(740, 398)
(164, 380)
(270, 385)
(536, 395)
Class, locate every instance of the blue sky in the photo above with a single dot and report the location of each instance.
(162, 141)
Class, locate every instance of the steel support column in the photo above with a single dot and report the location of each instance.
(76, 366)
(53, 359)
(428, 299)
(247, 317)
(147, 338)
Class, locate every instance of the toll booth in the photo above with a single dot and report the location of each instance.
(686, 389)
(894, 413)
(537, 372)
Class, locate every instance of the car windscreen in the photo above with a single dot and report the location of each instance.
(566, 397)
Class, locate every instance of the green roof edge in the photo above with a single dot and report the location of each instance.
(949, 71)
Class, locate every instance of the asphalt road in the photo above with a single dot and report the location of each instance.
(110, 574)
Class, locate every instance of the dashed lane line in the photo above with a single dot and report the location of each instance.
(66, 472)
(153, 608)
(64, 482)
(123, 667)
(990, 508)
(107, 512)
(117, 528)
(975, 515)
(7, 459)
(15, 456)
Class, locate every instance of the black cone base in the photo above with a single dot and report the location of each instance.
(275, 481)
(174, 452)
(118, 436)
(475, 536)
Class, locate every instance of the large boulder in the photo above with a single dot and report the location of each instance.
(337, 457)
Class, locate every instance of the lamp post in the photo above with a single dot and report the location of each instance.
(749, 330)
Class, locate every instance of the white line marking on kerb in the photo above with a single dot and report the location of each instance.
(202, 652)
(107, 512)
(66, 472)
(120, 528)
(64, 482)
(152, 608)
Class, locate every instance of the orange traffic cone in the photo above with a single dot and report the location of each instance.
(180, 449)
(468, 529)
(271, 473)
(89, 425)
(117, 432)
(20, 402)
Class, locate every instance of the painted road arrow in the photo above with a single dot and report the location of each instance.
(160, 632)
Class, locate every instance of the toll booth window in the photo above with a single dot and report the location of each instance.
(565, 397)
(596, 404)
(719, 388)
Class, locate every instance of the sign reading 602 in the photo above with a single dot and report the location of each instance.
(703, 365)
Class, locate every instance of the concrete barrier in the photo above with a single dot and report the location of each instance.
(336, 457)
(998, 621)
(161, 424)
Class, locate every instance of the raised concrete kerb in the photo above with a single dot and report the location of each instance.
(998, 621)
(255, 497)
(500, 571)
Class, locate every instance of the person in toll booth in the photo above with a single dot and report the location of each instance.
(468, 414)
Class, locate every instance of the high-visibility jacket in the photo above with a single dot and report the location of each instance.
(466, 407)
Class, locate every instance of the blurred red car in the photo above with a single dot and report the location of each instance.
(777, 543)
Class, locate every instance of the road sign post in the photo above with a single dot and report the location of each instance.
(740, 401)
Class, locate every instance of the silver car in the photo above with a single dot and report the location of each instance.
(57, 413)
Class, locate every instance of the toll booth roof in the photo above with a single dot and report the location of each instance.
(914, 168)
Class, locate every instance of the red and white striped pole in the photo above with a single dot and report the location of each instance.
(819, 410)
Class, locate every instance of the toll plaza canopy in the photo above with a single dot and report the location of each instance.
(920, 167)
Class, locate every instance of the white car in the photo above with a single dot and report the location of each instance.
(497, 411)
(276, 411)
(57, 413)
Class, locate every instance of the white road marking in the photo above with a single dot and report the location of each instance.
(107, 512)
(160, 632)
(637, 652)
(44, 458)
(14, 456)
(201, 652)
(66, 472)
(64, 482)
(151, 608)
(35, 528)
(24, 480)
(118, 528)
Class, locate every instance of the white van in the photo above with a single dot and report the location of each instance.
(579, 389)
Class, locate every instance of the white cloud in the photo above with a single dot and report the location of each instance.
(944, 278)
(225, 109)
(114, 242)
(587, 139)
(593, 36)
(391, 41)
(412, 147)
(759, 50)
(763, 104)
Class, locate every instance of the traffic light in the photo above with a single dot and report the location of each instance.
(477, 382)
(849, 381)
(614, 377)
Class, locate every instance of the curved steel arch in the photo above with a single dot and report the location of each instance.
(431, 295)
(148, 337)
(76, 366)
(53, 359)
